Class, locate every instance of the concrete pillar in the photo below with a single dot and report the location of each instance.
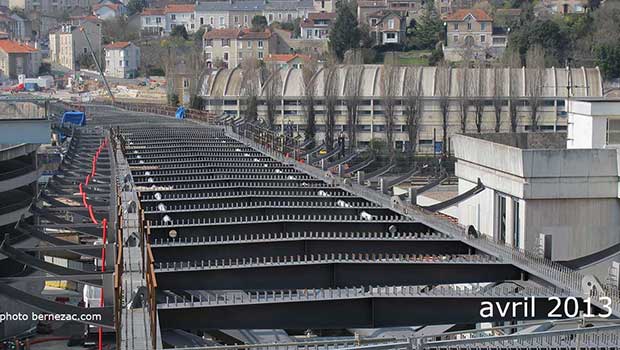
(340, 170)
(413, 195)
(614, 274)
(381, 185)
(360, 176)
(545, 245)
(323, 164)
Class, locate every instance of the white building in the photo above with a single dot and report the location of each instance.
(122, 59)
(547, 187)
(153, 20)
(180, 15)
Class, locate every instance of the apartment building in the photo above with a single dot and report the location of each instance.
(288, 10)
(109, 10)
(122, 59)
(68, 44)
(17, 59)
(229, 47)
(51, 6)
(563, 7)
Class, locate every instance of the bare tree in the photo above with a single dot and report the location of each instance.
(442, 91)
(251, 88)
(331, 80)
(413, 105)
(273, 94)
(535, 61)
(389, 87)
(197, 73)
(479, 93)
(513, 61)
(464, 84)
(308, 75)
(498, 95)
(352, 90)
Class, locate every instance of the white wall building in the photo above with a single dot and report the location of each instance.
(543, 184)
(180, 15)
(122, 60)
(153, 21)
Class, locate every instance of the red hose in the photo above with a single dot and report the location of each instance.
(92, 215)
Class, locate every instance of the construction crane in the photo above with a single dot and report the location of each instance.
(92, 52)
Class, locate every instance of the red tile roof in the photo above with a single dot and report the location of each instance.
(153, 12)
(479, 15)
(114, 7)
(10, 46)
(244, 34)
(117, 45)
(321, 15)
(179, 8)
(222, 34)
(286, 57)
(248, 34)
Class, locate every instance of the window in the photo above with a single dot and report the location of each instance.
(501, 219)
(158, 20)
(456, 26)
(208, 55)
(516, 223)
(391, 24)
(192, 17)
(391, 35)
(469, 26)
(147, 20)
(225, 42)
(185, 83)
(191, 26)
(209, 42)
(85, 50)
(245, 19)
(126, 63)
(211, 20)
(236, 19)
(289, 17)
(240, 44)
(483, 26)
(249, 44)
(120, 63)
(173, 17)
(373, 22)
(483, 38)
(240, 55)
(260, 44)
(270, 17)
(279, 16)
(221, 21)
(226, 56)
(260, 55)
(613, 131)
(456, 38)
(202, 21)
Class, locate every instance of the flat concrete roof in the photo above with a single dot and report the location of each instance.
(526, 140)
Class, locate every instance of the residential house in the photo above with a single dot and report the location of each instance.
(109, 10)
(228, 14)
(122, 59)
(180, 15)
(286, 61)
(316, 25)
(22, 27)
(324, 5)
(366, 7)
(470, 35)
(153, 21)
(51, 6)
(68, 43)
(287, 10)
(387, 27)
(17, 59)
(229, 47)
(562, 7)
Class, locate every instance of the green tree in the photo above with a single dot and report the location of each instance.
(608, 59)
(179, 32)
(259, 23)
(345, 33)
(135, 6)
(428, 30)
(197, 36)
